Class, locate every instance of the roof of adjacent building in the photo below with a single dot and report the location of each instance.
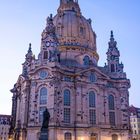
(5, 119)
(135, 111)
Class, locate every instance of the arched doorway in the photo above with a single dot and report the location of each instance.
(114, 137)
(93, 136)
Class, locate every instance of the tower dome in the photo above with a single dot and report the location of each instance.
(74, 33)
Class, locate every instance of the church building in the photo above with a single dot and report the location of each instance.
(85, 101)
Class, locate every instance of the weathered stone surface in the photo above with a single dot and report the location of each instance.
(84, 100)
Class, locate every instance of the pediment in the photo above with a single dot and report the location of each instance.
(42, 73)
(95, 70)
(39, 69)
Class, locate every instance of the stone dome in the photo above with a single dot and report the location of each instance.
(74, 32)
(72, 27)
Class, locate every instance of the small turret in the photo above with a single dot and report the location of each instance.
(68, 1)
(69, 5)
(29, 55)
(49, 43)
(113, 55)
(28, 59)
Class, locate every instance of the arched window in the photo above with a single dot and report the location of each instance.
(66, 97)
(43, 95)
(111, 110)
(81, 30)
(67, 136)
(114, 137)
(92, 111)
(86, 60)
(112, 68)
(67, 106)
(92, 77)
(111, 102)
(92, 99)
(45, 55)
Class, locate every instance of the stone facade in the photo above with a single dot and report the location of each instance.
(5, 121)
(85, 101)
(135, 122)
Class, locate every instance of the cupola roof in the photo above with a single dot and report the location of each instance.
(72, 28)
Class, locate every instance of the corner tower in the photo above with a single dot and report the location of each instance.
(115, 68)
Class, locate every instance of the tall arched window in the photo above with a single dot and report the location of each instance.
(43, 95)
(81, 30)
(92, 110)
(66, 97)
(67, 106)
(111, 110)
(67, 136)
(112, 68)
(45, 55)
(92, 99)
(86, 60)
(114, 137)
(111, 102)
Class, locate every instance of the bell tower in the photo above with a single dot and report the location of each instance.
(113, 56)
(49, 51)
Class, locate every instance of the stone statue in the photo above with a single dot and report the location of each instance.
(46, 118)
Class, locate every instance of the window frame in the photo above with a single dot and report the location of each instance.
(67, 136)
(67, 115)
(43, 96)
(91, 95)
(67, 97)
(86, 60)
(92, 116)
(114, 137)
(112, 67)
(111, 102)
(45, 55)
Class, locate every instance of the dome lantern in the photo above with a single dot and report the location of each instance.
(68, 1)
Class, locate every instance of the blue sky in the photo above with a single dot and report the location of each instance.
(22, 21)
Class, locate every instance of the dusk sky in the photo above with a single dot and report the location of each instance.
(22, 22)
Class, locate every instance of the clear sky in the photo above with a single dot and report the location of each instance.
(22, 21)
